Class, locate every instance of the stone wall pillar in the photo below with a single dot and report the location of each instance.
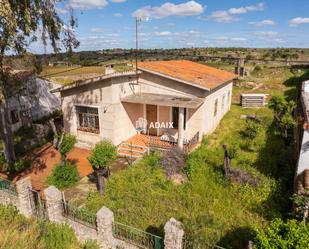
(173, 235)
(54, 204)
(105, 219)
(26, 204)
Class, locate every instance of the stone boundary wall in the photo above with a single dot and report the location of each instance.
(23, 200)
(102, 231)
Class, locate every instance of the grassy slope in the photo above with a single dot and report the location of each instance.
(18, 232)
(212, 210)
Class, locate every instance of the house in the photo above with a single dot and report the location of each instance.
(30, 98)
(301, 184)
(177, 102)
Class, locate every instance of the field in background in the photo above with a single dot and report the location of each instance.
(66, 74)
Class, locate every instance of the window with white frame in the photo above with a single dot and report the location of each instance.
(228, 97)
(216, 107)
(223, 102)
(88, 119)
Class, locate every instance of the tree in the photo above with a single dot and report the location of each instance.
(101, 155)
(283, 114)
(19, 23)
(67, 144)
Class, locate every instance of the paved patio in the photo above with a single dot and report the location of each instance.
(46, 158)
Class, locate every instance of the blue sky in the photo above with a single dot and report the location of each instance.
(182, 23)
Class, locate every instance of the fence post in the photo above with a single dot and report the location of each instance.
(26, 203)
(105, 219)
(54, 204)
(173, 234)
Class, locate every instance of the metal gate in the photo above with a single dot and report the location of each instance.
(39, 205)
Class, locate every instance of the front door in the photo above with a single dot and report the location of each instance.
(152, 117)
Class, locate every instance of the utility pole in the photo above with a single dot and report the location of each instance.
(137, 21)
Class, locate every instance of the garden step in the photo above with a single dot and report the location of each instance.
(129, 154)
(137, 150)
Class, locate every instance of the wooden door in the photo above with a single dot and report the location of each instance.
(152, 117)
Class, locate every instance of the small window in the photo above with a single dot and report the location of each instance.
(88, 119)
(14, 116)
(176, 117)
(216, 107)
(223, 102)
(228, 97)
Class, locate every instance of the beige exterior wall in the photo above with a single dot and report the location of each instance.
(210, 121)
(118, 122)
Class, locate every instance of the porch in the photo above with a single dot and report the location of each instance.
(162, 121)
(140, 144)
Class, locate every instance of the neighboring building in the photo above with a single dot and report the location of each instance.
(193, 96)
(30, 98)
(302, 170)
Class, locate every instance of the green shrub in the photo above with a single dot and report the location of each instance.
(252, 129)
(67, 144)
(152, 159)
(21, 164)
(280, 234)
(57, 236)
(102, 154)
(64, 176)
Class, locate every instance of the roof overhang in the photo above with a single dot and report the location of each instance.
(173, 78)
(96, 79)
(163, 100)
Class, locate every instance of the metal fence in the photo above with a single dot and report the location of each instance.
(137, 237)
(8, 186)
(79, 215)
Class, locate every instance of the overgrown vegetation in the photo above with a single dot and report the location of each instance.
(280, 234)
(17, 232)
(213, 209)
(64, 176)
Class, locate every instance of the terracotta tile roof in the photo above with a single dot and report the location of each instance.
(191, 72)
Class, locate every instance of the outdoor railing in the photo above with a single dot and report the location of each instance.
(79, 215)
(137, 237)
(8, 186)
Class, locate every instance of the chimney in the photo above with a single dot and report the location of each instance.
(109, 69)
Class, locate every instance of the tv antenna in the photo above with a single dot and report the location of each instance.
(138, 20)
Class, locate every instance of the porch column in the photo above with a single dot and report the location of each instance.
(181, 121)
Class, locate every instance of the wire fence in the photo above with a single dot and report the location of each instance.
(137, 237)
(79, 215)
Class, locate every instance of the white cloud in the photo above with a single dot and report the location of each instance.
(298, 21)
(87, 4)
(96, 30)
(221, 16)
(267, 34)
(190, 8)
(163, 33)
(229, 15)
(266, 22)
(239, 39)
(118, 15)
(118, 1)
